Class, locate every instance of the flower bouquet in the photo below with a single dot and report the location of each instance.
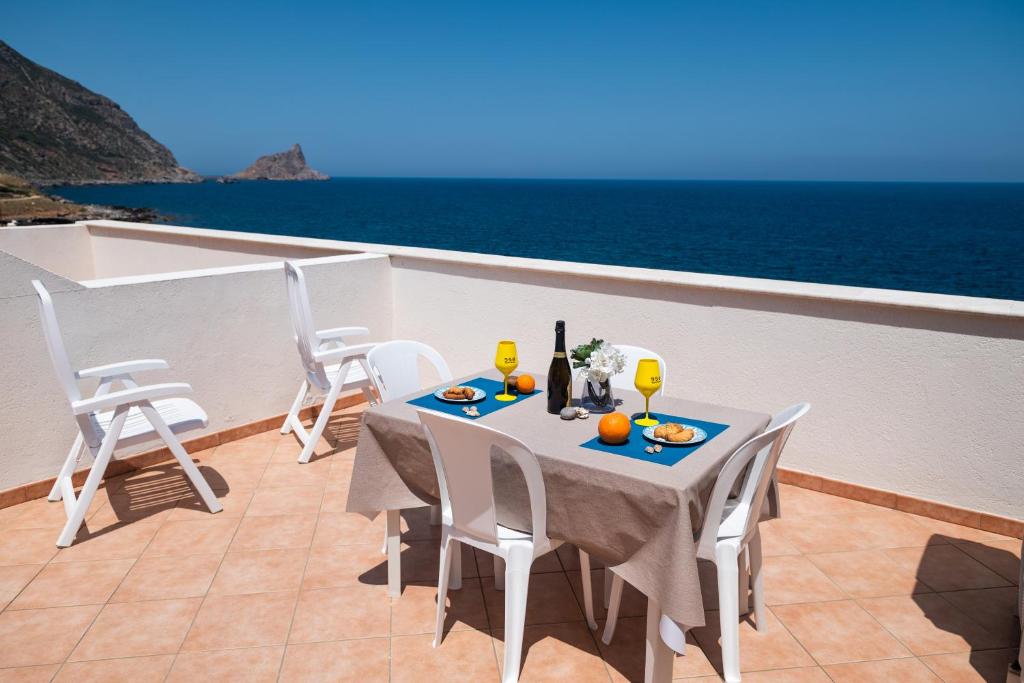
(597, 361)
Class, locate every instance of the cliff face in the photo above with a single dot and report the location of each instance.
(289, 165)
(55, 131)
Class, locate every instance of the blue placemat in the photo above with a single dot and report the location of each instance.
(670, 455)
(486, 406)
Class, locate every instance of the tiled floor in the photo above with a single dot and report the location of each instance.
(285, 585)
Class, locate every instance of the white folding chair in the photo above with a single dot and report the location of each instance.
(330, 365)
(116, 417)
(462, 452)
(730, 534)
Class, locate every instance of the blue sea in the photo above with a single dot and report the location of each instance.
(949, 238)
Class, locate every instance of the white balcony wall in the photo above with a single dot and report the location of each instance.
(924, 402)
(62, 249)
(226, 333)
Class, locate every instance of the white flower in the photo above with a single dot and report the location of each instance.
(604, 361)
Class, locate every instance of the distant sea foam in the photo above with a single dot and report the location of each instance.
(949, 238)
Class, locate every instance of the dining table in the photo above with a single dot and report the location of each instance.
(638, 511)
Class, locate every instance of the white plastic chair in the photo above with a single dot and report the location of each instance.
(462, 453)
(330, 365)
(112, 418)
(625, 379)
(730, 534)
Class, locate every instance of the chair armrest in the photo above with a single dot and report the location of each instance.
(126, 396)
(343, 354)
(125, 368)
(339, 332)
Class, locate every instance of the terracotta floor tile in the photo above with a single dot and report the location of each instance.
(789, 579)
(166, 577)
(772, 648)
(223, 475)
(235, 501)
(416, 525)
(253, 665)
(260, 571)
(825, 534)
(774, 542)
(286, 500)
(134, 669)
(347, 528)
(1002, 557)
(29, 674)
(255, 452)
(278, 531)
(544, 564)
(955, 532)
(27, 546)
(971, 667)
(195, 537)
(557, 653)
(42, 636)
(42, 514)
(894, 529)
(993, 608)
(346, 565)
(73, 583)
(909, 670)
(946, 568)
(625, 655)
(335, 498)
(550, 600)
(347, 661)
(420, 561)
(13, 579)
(930, 625)
(125, 509)
(462, 656)
(414, 612)
(837, 632)
(799, 503)
(313, 473)
(165, 479)
(869, 574)
(126, 541)
(230, 621)
(341, 614)
(134, 629)
(634, 603)
(807, 674)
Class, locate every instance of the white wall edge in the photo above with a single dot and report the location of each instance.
(785, 288)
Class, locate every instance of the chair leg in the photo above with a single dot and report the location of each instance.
(455, 577)
(774, 502)
(199, 482)
(727, 562)
(608, 578)
(101, 457)
(517, 587)
(435, 515)
(293, 412)
(757, 580)
(323, 417)
(499, 573)
(68, 468)
(588, 590)
(743, 583)
(613, 609)
(447, 545)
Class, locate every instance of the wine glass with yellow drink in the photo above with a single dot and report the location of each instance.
(647, 382)
(506, 360)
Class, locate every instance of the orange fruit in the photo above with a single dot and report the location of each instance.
(526, 384)
(614, 428)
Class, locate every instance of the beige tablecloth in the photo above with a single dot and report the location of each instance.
(637, 516)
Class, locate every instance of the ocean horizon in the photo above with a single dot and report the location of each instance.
(943, 237)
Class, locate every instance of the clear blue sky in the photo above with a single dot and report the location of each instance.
(890, 90)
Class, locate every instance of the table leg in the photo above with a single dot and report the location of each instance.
(658, 656)
(394, 551)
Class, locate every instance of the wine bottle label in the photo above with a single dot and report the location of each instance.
(559, 354)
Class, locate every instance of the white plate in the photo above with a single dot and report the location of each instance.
(698, 436)
(478, 396)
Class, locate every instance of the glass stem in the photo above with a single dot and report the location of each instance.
(506, 385)
(647, 407)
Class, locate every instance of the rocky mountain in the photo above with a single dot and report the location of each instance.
(289, 165)
(56, 131)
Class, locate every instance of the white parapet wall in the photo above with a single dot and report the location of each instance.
(915, 393)
(225, 331)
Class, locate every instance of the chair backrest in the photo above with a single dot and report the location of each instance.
(55, 344)
(302, 325)
(755, 461)
(462, 452)
(625, 379)
(394, 367)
